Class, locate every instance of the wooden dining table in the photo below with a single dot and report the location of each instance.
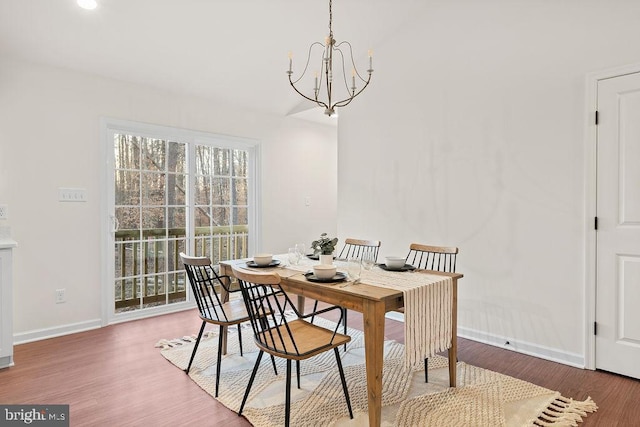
(373, 302)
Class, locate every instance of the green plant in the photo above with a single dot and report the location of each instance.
(324, 245)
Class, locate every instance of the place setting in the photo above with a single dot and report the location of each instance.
(345, 272)
(286, 264)
(396, 263)
(327, 270)
(292, 258)
(263, 261)
(323, 273)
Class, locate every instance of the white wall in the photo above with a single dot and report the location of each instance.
(49, 138)
(473, 134)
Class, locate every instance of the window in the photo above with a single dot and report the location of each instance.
(172, 191)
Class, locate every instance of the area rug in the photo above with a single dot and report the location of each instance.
(482, 398)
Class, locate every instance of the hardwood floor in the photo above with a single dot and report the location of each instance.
(115, 376)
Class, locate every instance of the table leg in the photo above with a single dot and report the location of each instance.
(453, 350)
(373, 316)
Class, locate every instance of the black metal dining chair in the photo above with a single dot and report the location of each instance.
(206, 285)
(360, 249)
(280, 334)
(436, 258)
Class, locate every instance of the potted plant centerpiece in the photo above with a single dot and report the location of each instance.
(323, 248)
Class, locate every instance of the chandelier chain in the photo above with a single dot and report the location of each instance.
(330, 20)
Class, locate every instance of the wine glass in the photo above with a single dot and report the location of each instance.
(294, 256)
(301, 250)
(368, 261)
(354, 268)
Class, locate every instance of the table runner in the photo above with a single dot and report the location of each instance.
(428, 305)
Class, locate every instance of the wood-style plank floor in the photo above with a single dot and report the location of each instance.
(114, 376)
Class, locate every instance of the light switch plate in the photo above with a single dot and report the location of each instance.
(72, 194)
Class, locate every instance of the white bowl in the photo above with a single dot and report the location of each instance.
(395, 262)
(323, 271)
(262, 259)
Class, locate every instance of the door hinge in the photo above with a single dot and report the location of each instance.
(595, 223)
(597, 117)
(595, 328)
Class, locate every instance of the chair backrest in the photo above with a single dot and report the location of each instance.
(360, 248)
(203, 279)
(270, 311)
(437, 258)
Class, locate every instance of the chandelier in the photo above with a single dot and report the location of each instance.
(331, 83)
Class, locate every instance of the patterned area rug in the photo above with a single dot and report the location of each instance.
(482, 398)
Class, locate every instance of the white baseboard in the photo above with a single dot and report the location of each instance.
(128, 316)
(6, 362)
(530, 349)
(543, 352)
(42, 334)
(58, 331)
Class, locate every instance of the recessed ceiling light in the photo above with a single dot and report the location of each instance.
(88, 4)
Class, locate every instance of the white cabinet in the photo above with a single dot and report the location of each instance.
(6, 302)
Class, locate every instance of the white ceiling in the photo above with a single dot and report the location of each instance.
(234, 51)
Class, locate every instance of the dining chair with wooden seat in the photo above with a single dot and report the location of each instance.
(356, 248)
(436, 258)
(281, 334)
(206, 285)
(360, 249)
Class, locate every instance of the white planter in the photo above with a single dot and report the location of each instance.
(326, 259)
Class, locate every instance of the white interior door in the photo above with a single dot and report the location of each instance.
(618, 235)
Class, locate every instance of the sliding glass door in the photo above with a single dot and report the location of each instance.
(171, 191)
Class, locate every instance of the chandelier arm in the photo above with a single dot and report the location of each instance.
(346, 101)
(344, 76)
(351, 55)
(305, 96)
(308, 61)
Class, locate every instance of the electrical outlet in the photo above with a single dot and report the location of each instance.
(60, 296)
(4, 212)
